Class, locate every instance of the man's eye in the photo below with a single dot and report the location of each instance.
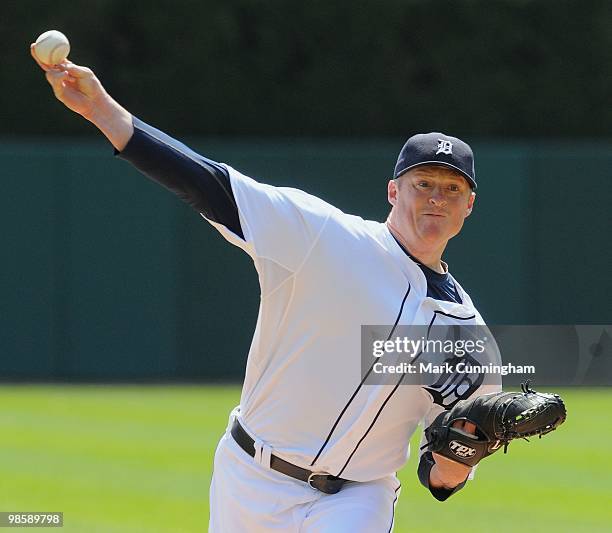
(454, 188)
(423, 184)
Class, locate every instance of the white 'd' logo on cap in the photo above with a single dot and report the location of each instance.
(444, 147)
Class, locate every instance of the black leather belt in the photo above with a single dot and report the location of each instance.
(317, 480)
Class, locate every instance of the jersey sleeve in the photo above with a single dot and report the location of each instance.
(279, 224)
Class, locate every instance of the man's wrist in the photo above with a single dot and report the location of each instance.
(113, 121)
(439, 482)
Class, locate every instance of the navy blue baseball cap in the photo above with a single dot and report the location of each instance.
(437, 149)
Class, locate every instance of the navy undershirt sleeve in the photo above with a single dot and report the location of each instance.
(200, 182)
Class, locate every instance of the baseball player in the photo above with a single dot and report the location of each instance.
(312, 447)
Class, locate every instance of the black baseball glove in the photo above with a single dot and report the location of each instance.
(499, 417)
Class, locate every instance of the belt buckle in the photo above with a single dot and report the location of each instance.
(331, 485)
(312, 474)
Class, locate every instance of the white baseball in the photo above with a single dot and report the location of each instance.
(51, 47)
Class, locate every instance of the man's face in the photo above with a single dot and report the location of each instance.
(430, 204)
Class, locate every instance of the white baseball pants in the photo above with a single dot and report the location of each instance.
(246, 497)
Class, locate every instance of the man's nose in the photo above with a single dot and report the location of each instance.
(437, 197)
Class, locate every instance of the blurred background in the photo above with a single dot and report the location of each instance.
(106, 278)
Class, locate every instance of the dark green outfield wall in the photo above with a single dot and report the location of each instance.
(107, 276)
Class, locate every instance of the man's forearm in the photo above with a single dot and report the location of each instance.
(202, 183)
(114, 122)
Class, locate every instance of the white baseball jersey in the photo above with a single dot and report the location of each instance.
(323, 274)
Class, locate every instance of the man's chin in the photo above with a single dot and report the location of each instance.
(434, 235)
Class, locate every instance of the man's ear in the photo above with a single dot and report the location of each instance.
(470, 207)
(392, 192)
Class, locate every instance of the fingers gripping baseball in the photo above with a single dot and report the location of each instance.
(75, 86)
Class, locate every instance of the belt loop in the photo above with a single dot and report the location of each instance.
(232, 416)
(263, 453)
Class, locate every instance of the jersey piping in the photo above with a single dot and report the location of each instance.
(331, 431)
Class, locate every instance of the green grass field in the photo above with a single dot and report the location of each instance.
(139, 459)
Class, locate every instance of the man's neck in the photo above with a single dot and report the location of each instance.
(431, 259)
